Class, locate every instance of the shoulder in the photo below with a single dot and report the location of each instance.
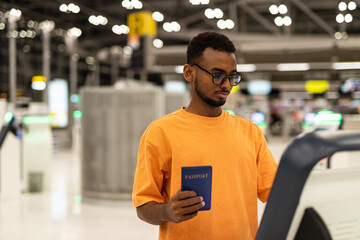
(242, 121)
(161, 125)
(164, 121)
(245, 125)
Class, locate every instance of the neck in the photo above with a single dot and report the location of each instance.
(205, 111)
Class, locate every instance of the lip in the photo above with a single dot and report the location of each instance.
(222, 94)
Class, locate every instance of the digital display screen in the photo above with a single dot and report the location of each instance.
(258, 117)
(259, 87)
(175, 86)
(350, 85)
(59, 102)
(309, 118)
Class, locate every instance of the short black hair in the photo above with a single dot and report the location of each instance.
(205, 40)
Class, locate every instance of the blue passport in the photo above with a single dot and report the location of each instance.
(199, 180)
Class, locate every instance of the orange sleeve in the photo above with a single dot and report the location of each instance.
(266, 168)
(149, 174)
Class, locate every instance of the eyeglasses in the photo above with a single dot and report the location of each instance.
(219, 78)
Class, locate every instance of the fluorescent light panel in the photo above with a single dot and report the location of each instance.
(346, 65)
(293, 67)
(179, 69)
(246, 67)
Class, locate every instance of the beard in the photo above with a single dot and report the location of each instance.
(209, 101)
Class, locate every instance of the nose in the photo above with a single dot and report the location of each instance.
(225, 85)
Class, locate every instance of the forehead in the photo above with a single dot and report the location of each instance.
(212, 57)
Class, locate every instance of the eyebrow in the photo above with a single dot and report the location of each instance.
(222, 70)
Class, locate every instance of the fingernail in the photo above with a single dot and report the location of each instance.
(201, 198)
(203, 203)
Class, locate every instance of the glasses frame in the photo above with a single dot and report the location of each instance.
(213, 75)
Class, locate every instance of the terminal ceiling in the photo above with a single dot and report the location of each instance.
(310, 38)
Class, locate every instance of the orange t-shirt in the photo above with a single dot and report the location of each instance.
(243, 170)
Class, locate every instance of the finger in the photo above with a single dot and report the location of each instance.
(189, 216)
(186, 194)
(190, 201)
(193, 208)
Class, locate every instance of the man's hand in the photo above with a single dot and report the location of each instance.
(183, 206)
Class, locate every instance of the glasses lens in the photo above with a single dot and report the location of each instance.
(235, 79)
(218, 78)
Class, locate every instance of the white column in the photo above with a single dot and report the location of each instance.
(12, 63)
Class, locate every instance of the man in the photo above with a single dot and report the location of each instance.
(199, 135)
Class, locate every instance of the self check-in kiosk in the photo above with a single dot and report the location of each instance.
(320, 204)
(10, 177)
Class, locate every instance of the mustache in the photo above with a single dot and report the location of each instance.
(223, 92)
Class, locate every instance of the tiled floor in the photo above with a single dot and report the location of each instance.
(60, 214)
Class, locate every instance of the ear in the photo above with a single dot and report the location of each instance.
(188, 73)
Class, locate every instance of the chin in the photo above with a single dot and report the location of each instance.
(216, 103)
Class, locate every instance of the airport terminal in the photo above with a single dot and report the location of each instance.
(80, 82)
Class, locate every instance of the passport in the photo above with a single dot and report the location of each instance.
(199, 180)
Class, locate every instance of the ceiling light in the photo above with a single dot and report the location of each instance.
(175, 26)
(279, 21)
(63, 8)
(71, 7)
(76, 9)
(171, 27)
(102, 20)
(287, 21)
(126, 4)
(342, 6)
(179, 69)
(204, 2)
(198, 2)
(74, 32)
(221, 24)
(209, 13)
(195, 2)
(158, 43)
(14, 34)
(15, 13)
(338, 35)
(132, 4)
(346, 65)
(225, 24)
(283, 9)
(167, 27)
(137, 4)
(120, 29)
(230, 24)
(157, 16)
(127, 50)
(31, 24)
(340, 18)
(47, 25)
(293, 67)
(218, 13)
(90, 60)
(22, 34)
(28, 33)
(352, 6)
(246, 67)
(273, 9)
(93, 20)
(348, 18)
(33, 34)
(117, 50)
(96, 20)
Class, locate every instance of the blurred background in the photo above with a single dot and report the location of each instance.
(81, 80)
